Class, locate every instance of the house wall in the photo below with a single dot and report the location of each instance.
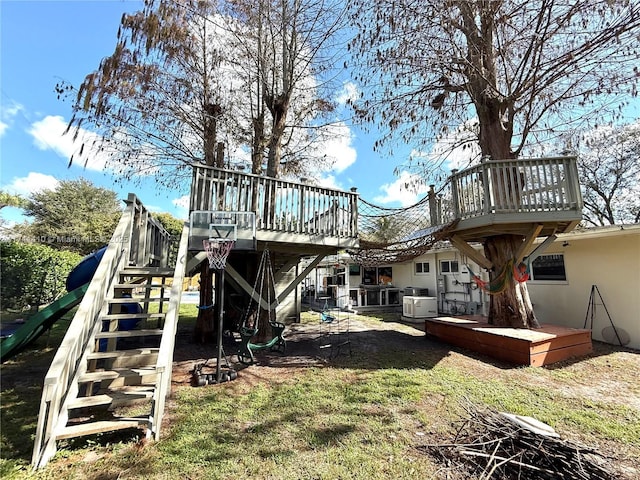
(608, 257)
(612, 263)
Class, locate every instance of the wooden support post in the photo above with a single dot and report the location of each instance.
(531, 236)
(540, 248)
(471, 252)
(298, 279)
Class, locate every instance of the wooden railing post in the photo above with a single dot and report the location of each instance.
(454, 193)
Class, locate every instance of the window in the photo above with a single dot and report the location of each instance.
(549, 267)
(422, 267)
(449, 266)
(377, 275)
(354, 269)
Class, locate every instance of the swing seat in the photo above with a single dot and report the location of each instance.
(325, 317)
(276, 344)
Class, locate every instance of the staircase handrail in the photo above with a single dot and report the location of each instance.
(137, 231)
(164, 365)
(61, 379)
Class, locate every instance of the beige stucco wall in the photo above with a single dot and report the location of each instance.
(609, 260)
(608, 257)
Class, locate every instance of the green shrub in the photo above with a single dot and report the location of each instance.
(33, 274)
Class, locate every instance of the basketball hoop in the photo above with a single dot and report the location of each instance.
(217, 250)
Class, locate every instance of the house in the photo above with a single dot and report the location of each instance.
(588, 278)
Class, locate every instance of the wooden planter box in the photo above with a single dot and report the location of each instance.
(538, 347)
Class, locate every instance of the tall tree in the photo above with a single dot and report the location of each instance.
(76, 216)
(158, 102)
(288, 48)
(609, 172)
(170, 96)
(526, 69)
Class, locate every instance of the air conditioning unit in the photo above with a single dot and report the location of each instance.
(419, 307)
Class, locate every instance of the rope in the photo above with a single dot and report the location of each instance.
(258, 289)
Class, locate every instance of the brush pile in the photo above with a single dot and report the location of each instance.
(493, 445)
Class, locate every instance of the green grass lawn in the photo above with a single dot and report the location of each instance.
(360, 417)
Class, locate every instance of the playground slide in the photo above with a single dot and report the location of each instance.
(38, 323)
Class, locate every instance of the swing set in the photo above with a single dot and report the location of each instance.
(261, 301)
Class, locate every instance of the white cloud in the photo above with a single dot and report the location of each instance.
(349, 92)
(455, 150)
(328, 181)
(33, 182)
(406, 190)
(182, 206)
(48, 134)
(8, 113)
(338, 147)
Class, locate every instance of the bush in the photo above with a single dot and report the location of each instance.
(33, 274)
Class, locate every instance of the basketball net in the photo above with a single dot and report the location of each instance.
(217, 251)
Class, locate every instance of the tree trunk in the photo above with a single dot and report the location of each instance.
(278, 108)
(512, 307)
(204, 331)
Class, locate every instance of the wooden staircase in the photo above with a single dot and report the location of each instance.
(120, 374)
(112, 370)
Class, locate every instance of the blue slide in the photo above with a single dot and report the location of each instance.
(77, 285)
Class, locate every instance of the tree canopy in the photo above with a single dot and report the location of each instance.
(524, 71)
(10, 200)
(76, 216)
(609, 172)
(206, 82)
(170, 223)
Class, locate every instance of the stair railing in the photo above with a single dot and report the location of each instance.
(164, 364)
(137, 238)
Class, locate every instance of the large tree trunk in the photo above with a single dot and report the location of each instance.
(512, 307)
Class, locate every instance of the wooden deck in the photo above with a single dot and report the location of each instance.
(508, 196)
(291, 216)
(539, 347)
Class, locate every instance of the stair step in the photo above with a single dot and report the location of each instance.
(129, 333)
(120, 301)
(116, 373)
(127, 316)
(147, 271)
(91, 428)
(146, 286)
(114, 398)
(122, 353)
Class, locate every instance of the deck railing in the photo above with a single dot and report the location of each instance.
(137, 240)
(279, 205)
(151, 245)
(516, 186)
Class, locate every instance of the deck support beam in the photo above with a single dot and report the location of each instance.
(246, 287)
(282, 295)
(296, 281)
(471, 252)
(539, 250)
(528, 241)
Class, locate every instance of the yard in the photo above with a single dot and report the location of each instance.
(310, 414)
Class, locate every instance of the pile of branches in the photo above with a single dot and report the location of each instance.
(491, 445)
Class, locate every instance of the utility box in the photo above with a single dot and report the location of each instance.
(419, 307)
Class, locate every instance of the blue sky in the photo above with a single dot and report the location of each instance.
(43, 42)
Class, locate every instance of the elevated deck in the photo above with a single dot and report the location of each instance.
(289, 216)
(509, 196)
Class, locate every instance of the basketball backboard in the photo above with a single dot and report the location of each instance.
(207, 224)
